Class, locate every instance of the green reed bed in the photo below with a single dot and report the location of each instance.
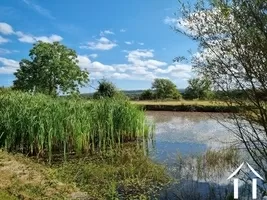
(41, 125)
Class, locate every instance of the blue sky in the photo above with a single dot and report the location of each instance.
(127, 42)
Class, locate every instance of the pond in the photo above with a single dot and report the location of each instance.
(188, 133)
(186, 143)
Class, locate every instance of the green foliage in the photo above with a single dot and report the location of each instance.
(198, 89)
(126, 174)
(51, 68)
(40, 125)
(164, 88)
(5, 89)
(5, 195)
(147, 95)
(105, 89)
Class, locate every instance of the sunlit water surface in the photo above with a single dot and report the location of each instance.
(183, 137)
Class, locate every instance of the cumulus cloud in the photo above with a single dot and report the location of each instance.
(27, 38)
(129, 42)
(6, 29)
(117, 75)
(8, 66)
(86, 63)
(106, 32)
(140, 58)
(177, 70)
(100, 44)
(93, 55)
(6, 51)
(140, 65)
(3, 40)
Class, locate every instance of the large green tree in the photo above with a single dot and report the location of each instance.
(52, 68)
(165, 88)
(198, 88)
(105, 89)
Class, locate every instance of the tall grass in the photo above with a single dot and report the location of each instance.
(41, 125)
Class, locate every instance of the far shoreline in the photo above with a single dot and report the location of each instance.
(186, 106)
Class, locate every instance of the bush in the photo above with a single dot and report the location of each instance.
(147, 95)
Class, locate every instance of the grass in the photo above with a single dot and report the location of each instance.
(44, 126)
(22, 178)
(217, 161)
(126, 174)
(102, 143)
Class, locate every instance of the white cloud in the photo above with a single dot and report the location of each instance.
(169, 20)
(121, 67)
(8, 66)
(139, 58)
(177, 70)
(123, 30)
(139, 53)
(27, 38)
(93, 55)
(120, 75)
(6, 51)
(99, 67)
(39, 9)
(100, 44)
(141, 43)
(86, 63)
(6, 29)
(106, 32)
(129, 42)
(3, 40)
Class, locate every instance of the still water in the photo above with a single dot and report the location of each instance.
(188, 133)
(182, 140)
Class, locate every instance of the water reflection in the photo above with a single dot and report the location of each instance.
(194, 130)
(181, 143)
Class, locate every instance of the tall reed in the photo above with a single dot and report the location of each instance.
(41, 125)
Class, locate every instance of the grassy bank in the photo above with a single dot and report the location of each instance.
(43, 126)
(101, 142)
(128, 174)
(186, 106)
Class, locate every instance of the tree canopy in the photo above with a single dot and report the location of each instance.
(105, 89)
(198, 88)
(147, 95)
(52, 68)
(165, 88)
